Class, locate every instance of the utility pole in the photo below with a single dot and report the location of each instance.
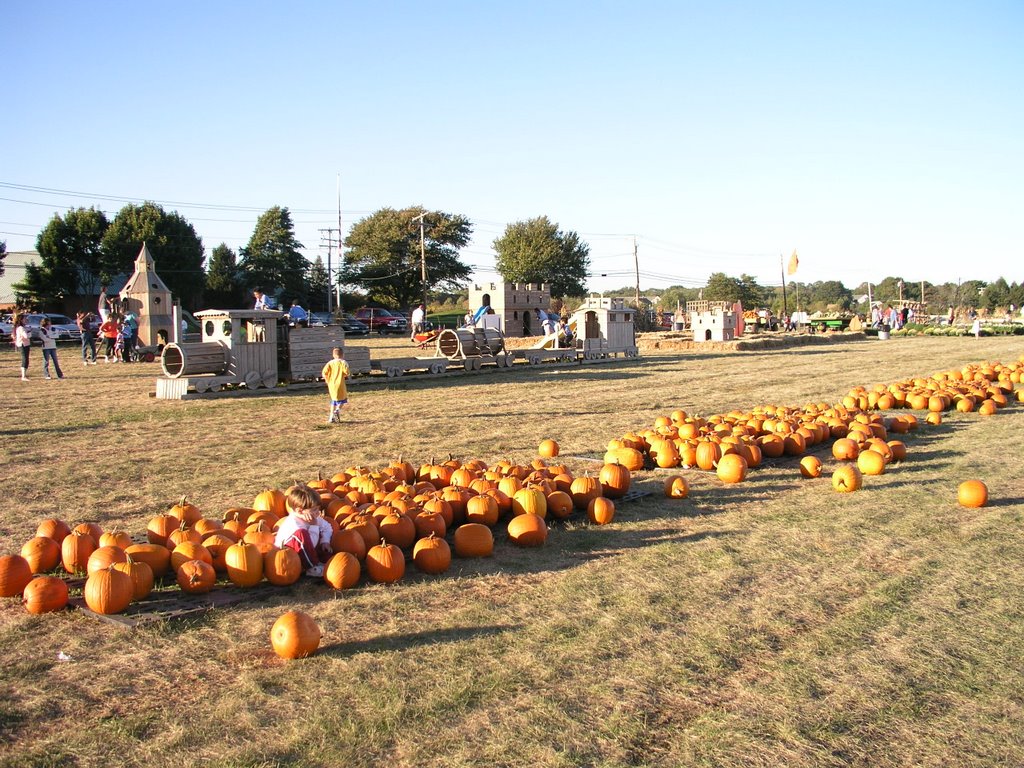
(900, 286)
(341, 262)
(327, 238)
(423, 258)
(782, 268)
(636, 263)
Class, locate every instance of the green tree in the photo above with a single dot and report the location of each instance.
(744, 289)
(70, 257)
(224, 286)
(177, 249)
(996, 295)
(537, 251)
(318, 285)
(272, 259)
(383, 254)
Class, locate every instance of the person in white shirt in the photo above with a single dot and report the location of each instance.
(419, 315)
(49, 337)
(22, 341)
(305, 530)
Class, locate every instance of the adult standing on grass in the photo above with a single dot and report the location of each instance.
(419, 315)
(22, 341)
(103, 305)
(84, 322)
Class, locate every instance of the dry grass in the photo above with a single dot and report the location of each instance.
(769, 623)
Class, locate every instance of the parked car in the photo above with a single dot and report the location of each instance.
(382, 320)
(6, 327)
(66, 328)
(353, 327)
(320, 319)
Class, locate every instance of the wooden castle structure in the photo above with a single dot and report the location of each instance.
(712, 320)
(515, 304)
(604, 325)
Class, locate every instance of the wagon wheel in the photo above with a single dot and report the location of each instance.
(214, 386)
(202, 385)
(252, 379)
(394, 372)
(534, 359)
(437, 368)
(149, 357)
(270, 379)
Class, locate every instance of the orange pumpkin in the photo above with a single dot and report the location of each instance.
(342, 570)
(385, 563)
(528, 530)
(547, 448)
(55, 529)
(676, 487)
(196, 577)
(601, 511)
(615, 480)
(295, 635)
(732, 468)
(433, 555)
(474, 540)
(140, 574)
(42, 553)
(108, 591)
(75, 551)
(846, 479)
(282, 566)
(243, 563)
(156, 556)
(104, 557)
(44, 594)
(810, 466)
(15, 574)
(972, 493)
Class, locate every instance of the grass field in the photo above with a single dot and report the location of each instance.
(770, 623)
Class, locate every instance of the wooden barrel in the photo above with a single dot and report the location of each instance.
(489, 341)
(456, 344)
(191, 359)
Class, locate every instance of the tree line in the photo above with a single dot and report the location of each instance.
(383, 263)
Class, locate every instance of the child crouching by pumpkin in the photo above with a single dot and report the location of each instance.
(305, 530)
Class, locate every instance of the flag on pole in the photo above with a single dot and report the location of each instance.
(794, 262)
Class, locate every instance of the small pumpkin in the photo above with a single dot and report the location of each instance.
(189, 514)
(295, 635)
(560, 505)
(433, 555)
(45, 594)
(676, 487)
(196, 577)
(397, 529)
(349, 540)
(601, 511)
(871, 462)
(115, 538)
(92, 529)
(547, 449)
(810, 466)
(583, 489)
(187, 551)
(160, 527)
(972, 493)
(282, 566)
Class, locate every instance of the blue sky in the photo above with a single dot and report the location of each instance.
(874, 138)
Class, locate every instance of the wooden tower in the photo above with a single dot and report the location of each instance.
(146, 295)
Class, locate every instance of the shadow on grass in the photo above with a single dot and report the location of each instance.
(410, 640)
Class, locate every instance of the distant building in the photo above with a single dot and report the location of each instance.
(15, 263)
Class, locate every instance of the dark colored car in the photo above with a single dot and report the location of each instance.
(382, 320)
(353, 327)
(320, 319)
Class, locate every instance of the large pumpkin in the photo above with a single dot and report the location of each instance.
(42, 553)
(482, 509)
(527, 530)
(342, 571)
(44, 594)
(397, 529)
(271, 500)
(474, 540)
(583, 489)
(560, 504)
(55, 529)
(75, 551)
(871, 462)
(282, 566)
(185, 512)
(160, 527)
(530, 501)
(104, 557)
(433, 555)
(385, 563)
(157, 557)
(15, 573)
(846, 479)
(243, 563)
(141, 575)
(108, 591)
(732, 468)
(972, 493)
(295, 635)
(708, 454)
(615, 480)
(349, 540)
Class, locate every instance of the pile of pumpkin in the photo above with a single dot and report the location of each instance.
(379, 519)
(732, 443)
